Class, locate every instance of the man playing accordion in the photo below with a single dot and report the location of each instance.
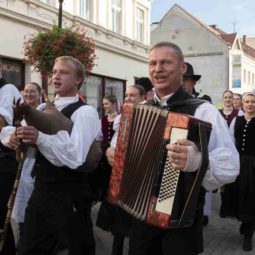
(166, 68)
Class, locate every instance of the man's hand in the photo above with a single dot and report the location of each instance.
(27, 134)
(184, 155)
(110, 155)
(14, 142)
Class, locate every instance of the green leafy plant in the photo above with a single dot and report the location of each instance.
(43, 48)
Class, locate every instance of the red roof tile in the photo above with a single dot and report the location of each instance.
(229, 38)
(248, 50)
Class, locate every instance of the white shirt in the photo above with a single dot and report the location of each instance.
(71, 150)
(224, 162)
(115, 127)
(8, 93)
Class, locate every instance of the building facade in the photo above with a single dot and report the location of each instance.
(120, 29)
(223, 60)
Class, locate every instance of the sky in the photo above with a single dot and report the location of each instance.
(223, 13)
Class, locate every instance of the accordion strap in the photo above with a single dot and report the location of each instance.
(201, 171)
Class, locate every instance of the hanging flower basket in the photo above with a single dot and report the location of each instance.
(43, 48)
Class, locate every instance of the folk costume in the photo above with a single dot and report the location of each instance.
(245, 139)
(58, 211)
(228, 192)
(229, 117)
(107, 130)
(223, 168)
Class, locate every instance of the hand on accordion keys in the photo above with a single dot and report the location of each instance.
(184, 155)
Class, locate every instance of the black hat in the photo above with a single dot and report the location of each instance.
(190, 73)
(144, 82)
(207, 98)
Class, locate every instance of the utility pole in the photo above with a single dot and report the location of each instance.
(60, 11)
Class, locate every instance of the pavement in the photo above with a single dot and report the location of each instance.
(221, 236)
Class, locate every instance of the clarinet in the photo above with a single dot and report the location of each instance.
(20, 157)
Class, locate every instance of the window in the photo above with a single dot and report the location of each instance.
(236, 71)
(116, 16)
(114, 87)
(249, 78)
(253, 80)
(92, 92)
(85, 10)
(13, 71)
(97, 86)
(244, 76)
(139, 25)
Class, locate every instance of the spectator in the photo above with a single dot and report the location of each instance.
(237, 101)
(244, 127)
(190, 79)
(228, 195)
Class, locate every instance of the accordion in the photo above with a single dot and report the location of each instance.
(143, 181)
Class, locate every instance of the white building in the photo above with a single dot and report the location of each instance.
(120, 29)
(222, 59)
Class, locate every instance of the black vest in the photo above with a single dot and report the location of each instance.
(244, 136)
(47, 173)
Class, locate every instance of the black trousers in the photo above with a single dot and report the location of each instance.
(228, 206)
(247, 228)
(7, 177)
(56, 219)
(148, 240)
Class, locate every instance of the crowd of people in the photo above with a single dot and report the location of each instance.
(55, 196)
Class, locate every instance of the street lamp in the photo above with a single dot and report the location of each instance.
(60, 13)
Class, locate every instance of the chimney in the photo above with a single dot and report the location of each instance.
(213, 26)
(244, 39)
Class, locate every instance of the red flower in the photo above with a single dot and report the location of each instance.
(43, 48)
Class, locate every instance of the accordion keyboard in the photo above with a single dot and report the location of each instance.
(167, 189)
(170, 177)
